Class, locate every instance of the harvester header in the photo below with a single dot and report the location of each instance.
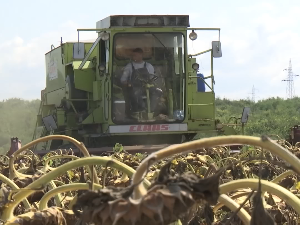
(135, 85)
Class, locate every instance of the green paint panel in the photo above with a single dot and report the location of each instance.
(202, 106)
(71, 120)
(97, 95)
(55, 71)
(84, 78)
(56, 62)
(60, 117)
(95, 117)
(55, 97)
(46, 109)
(201, 125)
(39, 120)
(190, 84)
(229, 130)
(68, 48)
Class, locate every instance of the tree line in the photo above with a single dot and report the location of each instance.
(273, 116)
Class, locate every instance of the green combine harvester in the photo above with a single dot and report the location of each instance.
(135, 85)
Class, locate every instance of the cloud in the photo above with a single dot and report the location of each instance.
(22, 63)
(255, 52)
(258, 7)
(257, 42)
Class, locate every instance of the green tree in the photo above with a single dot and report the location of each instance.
(17, 119)
(269, 116)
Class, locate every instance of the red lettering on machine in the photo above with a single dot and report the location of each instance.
(149, 128)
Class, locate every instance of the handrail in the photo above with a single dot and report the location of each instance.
(202, 80)
(200, 53)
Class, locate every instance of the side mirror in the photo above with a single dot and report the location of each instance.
(216, 49)
(85, 58)
(245, 115)
(78, 50)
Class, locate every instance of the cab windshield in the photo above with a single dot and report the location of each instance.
(148, 78)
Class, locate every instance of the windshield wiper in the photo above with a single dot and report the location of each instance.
(158, 40)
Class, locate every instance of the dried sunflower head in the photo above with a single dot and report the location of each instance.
(168, 199)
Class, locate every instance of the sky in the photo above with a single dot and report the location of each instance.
(258, 39)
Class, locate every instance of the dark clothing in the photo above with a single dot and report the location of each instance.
(127, 97)
(138, 75)
(135, 93)
(137, 101)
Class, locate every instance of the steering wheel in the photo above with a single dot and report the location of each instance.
(154, 78)
(146, 81)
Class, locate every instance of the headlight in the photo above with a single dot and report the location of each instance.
(105, 36)
(193, 36)
(195, 66)
(178, 114)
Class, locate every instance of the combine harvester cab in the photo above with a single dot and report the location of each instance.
(88, 97)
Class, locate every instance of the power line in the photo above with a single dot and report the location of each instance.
(290, 91)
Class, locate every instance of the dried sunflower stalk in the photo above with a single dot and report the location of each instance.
(260, 216)
(23, 182)
(167, 199)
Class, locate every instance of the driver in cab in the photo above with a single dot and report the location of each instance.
(132, 86)
(136, 66)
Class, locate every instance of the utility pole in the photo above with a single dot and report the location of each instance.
(290, 92)
(253, 94)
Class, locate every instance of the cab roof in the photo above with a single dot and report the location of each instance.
(143, 21)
